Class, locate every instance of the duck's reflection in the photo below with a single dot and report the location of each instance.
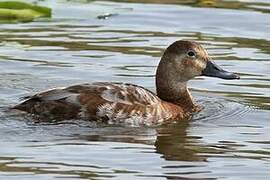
(174, 143)
(171, 141)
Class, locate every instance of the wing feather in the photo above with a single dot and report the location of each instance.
(115, 101)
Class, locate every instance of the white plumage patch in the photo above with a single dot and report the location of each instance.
(83, 113)
(106, 109)
(111, 96)
(73, 98)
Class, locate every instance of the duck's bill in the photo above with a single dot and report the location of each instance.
(213, 70)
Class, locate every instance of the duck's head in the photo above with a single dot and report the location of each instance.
(187, 59)
(182, 61)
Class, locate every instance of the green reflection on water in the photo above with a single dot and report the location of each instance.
(254, 6)
(92, 43)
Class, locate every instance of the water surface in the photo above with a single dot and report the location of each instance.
(123, 41)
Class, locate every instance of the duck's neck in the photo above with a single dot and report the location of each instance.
(170, 88)
(177, 95)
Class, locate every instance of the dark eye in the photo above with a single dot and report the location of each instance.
(191, 53)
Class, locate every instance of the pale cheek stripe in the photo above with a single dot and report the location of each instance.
(201, 64)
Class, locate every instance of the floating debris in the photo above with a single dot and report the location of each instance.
(107, 15)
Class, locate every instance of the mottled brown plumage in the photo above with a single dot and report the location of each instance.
(128, 103)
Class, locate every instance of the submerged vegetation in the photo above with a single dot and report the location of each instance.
(15, 11)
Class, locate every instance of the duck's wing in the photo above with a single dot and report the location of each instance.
(111, 101)
(122, 103)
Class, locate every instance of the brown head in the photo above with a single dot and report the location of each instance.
(182, 61)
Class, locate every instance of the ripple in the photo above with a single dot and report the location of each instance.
(220, 109)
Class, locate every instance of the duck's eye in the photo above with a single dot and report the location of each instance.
(191, 53)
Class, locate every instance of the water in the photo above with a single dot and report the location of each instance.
(123, 41)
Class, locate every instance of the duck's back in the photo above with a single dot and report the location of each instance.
(113, 102)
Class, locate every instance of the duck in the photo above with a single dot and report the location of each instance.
(116, 102)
